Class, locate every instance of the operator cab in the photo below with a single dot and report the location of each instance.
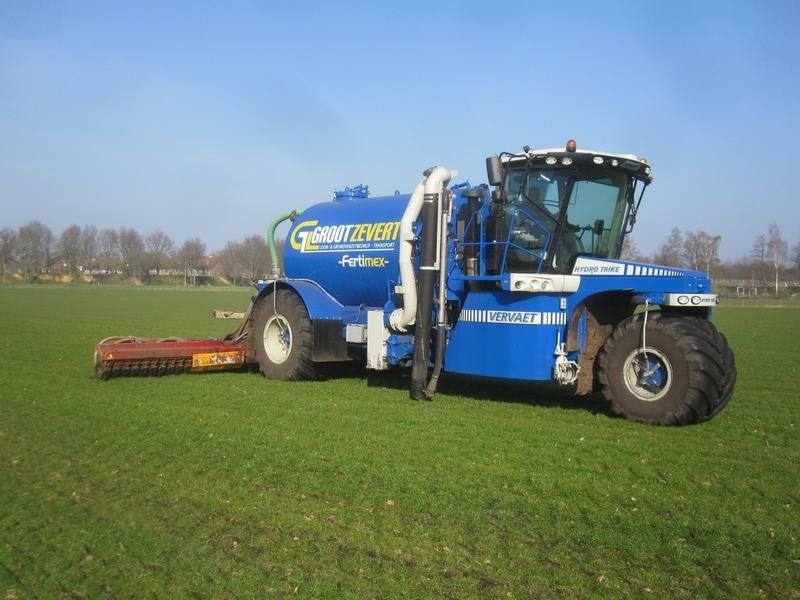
(552, 205)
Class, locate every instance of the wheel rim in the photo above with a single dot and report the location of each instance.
(278, 339)
(647, 374)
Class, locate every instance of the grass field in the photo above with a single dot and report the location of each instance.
(226, 485)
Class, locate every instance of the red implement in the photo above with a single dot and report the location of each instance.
(147, 357)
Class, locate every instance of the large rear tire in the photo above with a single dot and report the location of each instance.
(685, 372)
(283, 337)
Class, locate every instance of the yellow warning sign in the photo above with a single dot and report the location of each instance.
(217, 359)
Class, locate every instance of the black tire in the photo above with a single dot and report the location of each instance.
(283, 337)
(728, 367)
(686, 374)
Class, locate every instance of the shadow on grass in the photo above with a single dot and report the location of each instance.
(531, 393)
(487, 389)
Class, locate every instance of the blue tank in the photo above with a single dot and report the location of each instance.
(350, 246)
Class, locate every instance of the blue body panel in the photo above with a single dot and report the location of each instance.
(512, 336)
(349, 247)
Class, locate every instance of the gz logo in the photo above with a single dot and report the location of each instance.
(310, 236)
(348, 261)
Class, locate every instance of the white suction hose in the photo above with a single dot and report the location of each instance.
(431, 183)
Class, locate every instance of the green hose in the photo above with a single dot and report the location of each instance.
(273, 247)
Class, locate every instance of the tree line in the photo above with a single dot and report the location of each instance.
(769, 262)
(33, 249)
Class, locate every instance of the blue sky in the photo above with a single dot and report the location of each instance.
(209, 119)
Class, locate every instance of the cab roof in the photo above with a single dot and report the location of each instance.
(565, 157)
(562, 151)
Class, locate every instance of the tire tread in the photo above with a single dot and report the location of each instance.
(710, 364)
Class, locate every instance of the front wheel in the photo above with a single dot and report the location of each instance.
(282, 336)
(679, 371)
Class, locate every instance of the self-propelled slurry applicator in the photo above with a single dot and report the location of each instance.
(520, 279)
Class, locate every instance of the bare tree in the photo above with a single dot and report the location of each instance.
(35, 242)
(190, 254)
(735, 269)
(159, 247)
(630, 251)
(8, 248)
(758, 255)
(69, 246)
(701, 250)
(248, 259)
(254, 257)
(131, 249)
(796, 255)
(777, 250)
(89, 245)
(108, 248)
(228, 262)
(670, 252)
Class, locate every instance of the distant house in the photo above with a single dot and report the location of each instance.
(57, 267)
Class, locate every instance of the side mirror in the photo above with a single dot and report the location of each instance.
(599, 225)
(494, 170)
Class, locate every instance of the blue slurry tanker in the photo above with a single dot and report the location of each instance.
(520, 279)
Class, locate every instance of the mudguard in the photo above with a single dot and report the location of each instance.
(325, 313)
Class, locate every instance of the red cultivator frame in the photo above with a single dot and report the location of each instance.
(131, 356)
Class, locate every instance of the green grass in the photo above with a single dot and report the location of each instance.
(226, 485)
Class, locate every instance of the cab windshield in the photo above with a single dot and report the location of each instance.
(554, 215)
